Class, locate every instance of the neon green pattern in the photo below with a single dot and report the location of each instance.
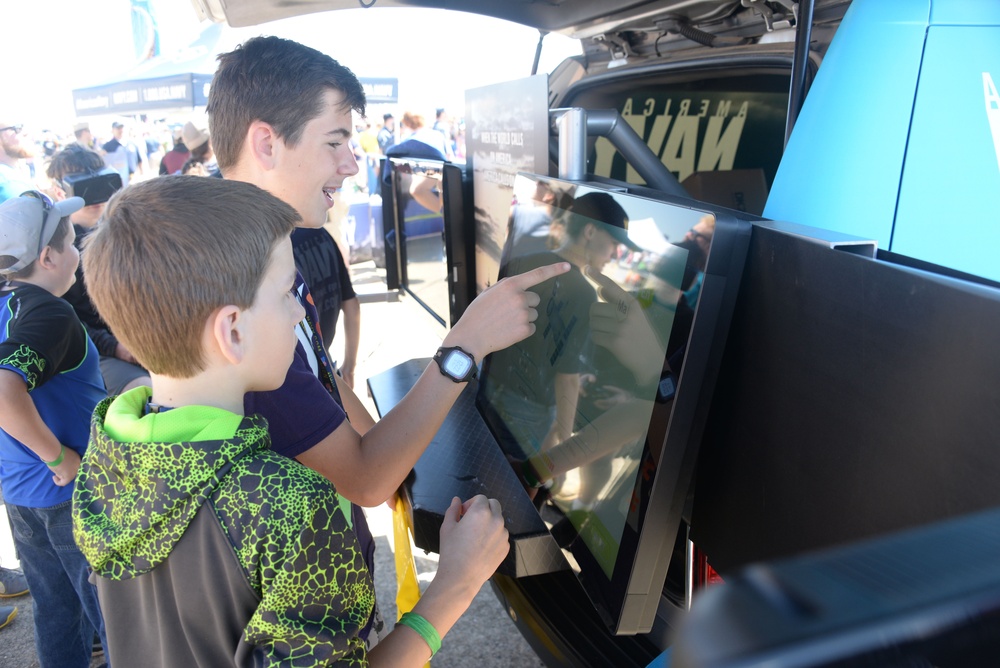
(133, 501)
(28, 362)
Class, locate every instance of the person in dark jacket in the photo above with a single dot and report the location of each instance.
(175, 158)
(119, 368)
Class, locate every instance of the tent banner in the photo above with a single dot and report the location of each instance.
(380, 89)
(181, 90)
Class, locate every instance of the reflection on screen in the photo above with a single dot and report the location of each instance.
(418, 194)
(576, 401)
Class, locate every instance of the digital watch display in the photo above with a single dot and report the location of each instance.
(456, 364)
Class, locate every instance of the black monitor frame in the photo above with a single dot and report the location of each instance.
(455, 202)
(627, 601)
(458, 239)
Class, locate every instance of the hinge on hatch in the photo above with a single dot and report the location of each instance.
(620, 48)
(762, 8)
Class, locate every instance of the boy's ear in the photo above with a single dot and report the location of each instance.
(262, 140)
(45, 258)
(226, 328)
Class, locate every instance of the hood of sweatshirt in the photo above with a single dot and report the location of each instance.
(145, 476)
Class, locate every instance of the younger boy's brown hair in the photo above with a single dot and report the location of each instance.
(169, 252)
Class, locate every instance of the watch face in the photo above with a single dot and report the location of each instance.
(456, 364)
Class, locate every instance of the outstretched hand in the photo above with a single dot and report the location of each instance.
(503, 314)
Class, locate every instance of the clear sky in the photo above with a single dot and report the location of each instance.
(50, 47)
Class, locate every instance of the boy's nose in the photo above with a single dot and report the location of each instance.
(350, 166)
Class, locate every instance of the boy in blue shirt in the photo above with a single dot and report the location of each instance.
(50, 381)
(209, 548)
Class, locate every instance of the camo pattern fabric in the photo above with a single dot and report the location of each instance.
(28, 362)
(133, 502)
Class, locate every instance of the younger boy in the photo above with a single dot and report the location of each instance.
(209, 548)
(49, 384)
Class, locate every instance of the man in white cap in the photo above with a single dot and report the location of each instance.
(84, 137)
(116, 153)
(13, 178)
(50, 382)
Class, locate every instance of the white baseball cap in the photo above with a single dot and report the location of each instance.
(27, 224)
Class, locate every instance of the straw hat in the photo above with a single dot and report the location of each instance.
(193, 137)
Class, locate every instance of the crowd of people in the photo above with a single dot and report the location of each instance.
(202, 505)
(445, 140)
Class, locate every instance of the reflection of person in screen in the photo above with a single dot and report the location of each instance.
(425, 187)
(528, 226)
(535, 384)
(701, 234)
(618, 402)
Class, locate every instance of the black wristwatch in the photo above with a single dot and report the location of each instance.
(456, 364)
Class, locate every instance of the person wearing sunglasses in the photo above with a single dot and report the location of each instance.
(50, 383)
(13, 150)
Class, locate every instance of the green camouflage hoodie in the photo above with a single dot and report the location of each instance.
(209, 549)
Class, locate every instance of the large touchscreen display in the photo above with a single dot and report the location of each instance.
(582, 407)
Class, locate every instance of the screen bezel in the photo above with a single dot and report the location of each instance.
(400, 203)
(628, 600)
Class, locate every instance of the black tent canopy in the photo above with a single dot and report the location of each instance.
(178, 81)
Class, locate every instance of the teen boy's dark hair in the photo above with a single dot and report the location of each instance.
(173, 249)
(277, 81)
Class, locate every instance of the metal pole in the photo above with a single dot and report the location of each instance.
(571, 124)
(538, 52)
(800, 64)
(609, 123)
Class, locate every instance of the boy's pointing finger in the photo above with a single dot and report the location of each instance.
(539, 275)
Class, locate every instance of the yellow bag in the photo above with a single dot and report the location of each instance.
(407, 587)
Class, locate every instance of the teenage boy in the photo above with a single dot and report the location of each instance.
(209, 548)
(50, 382)
(280, 116)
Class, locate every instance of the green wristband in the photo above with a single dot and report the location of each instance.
(424, 629)
(529, 477)
(57, 462)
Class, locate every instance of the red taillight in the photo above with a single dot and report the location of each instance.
(705, 575)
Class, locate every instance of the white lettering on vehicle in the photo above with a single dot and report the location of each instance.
(721, 129)
(992, 111)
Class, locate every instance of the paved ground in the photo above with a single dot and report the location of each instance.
(392, 331)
